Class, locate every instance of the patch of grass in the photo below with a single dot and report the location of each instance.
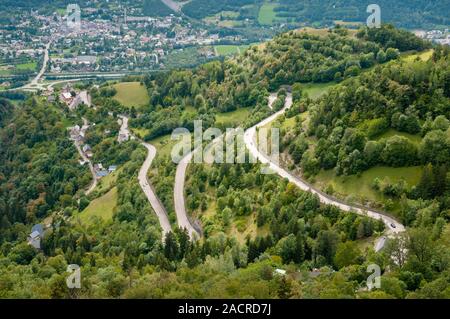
(267, 14)
(27, 66)
(233, 118)
(288, 123)
(348, 23)
(185, 57)
(102, 207)
(360, 187)
(242, 227)
(416, 139)
(224, 19)
(316, 90)
(225, 50)
(321, 32)
(131, 94)
(140, 132)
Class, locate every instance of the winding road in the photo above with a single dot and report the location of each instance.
(35, 84)
(91, 168)
(146, 187)
(393, 226)
(148, 190)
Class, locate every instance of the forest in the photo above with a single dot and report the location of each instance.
(346, 127)
(252, 223)
(245, 80)
(402, 13)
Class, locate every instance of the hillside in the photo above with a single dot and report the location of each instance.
(395, 116)
(353, 93)
(401, 13)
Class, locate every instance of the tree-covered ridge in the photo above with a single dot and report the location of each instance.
(297, 227)
(178, 97)
(346, 124)
(302, 57)
(401, 13)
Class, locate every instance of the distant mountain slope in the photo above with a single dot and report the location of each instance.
(156, 8)
(402, 13)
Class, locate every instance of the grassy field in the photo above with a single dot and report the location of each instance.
(131, 94)
(226, 49)
(186, 57)
(316, 90)
(240, 227)
(323, 31)
(230, 49)
(424, 56)
(163, 145)
(267, 14)
(108, 181)
(416, 139)
(288, 123)
(27, 66)
(140, 132)
(102, 207)
(355, 188)
(246, 226)
(359, 187)
(348, 23)
(233, 118)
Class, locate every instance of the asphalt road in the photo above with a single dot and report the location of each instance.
(156, 204)
(146, 187)
(393, 226)
(175, 6)
(178, 196)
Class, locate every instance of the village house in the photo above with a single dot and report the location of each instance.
(112, 168)
(37, 233)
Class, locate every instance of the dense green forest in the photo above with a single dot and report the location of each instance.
(408, 14)
(155, 8)
(402, 13)
(345, 131)
(324, 251)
